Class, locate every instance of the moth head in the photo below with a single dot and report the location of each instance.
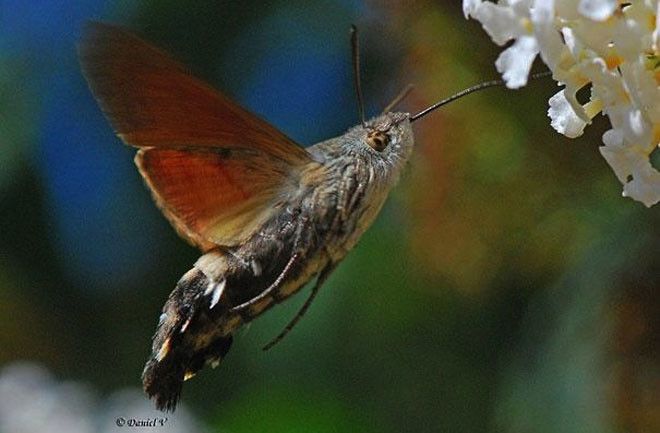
(388, 137)
(384, 142)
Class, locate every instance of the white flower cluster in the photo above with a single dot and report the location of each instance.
(612, 45)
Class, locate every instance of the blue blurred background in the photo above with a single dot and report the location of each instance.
(506, 287)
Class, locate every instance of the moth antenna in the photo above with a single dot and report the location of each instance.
(355, 51)
(398, 98)
(465, 92)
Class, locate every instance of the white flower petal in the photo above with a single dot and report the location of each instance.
(645, 186)
(515, 62)
(613, 137)
(616, 154)
(571, 41)
(547, 36)
(636, 130)
(543, 8)
(642, 87)
(520, 7)
(605, 83)
(632, 166)
(632, 34)
(597, 10)
(563, 118)
(500, 22)
(469, 6)
(637, 125)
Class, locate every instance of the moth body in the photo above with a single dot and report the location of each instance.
(339, 195)
(268, 214)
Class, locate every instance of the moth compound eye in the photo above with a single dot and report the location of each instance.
(378, 140)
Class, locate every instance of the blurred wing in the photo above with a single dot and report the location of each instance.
(152, 100)
(214, 169)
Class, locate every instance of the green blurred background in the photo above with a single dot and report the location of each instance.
(506, 287)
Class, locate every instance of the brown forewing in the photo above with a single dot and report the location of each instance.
(152, 100)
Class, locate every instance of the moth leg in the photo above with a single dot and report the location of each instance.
(323, 276)
(275, 284)
(269, 289)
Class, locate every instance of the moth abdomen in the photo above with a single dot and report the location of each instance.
(199, 317)
(163, 380)
(187, 337)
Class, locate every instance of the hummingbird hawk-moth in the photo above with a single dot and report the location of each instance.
(267, 214)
